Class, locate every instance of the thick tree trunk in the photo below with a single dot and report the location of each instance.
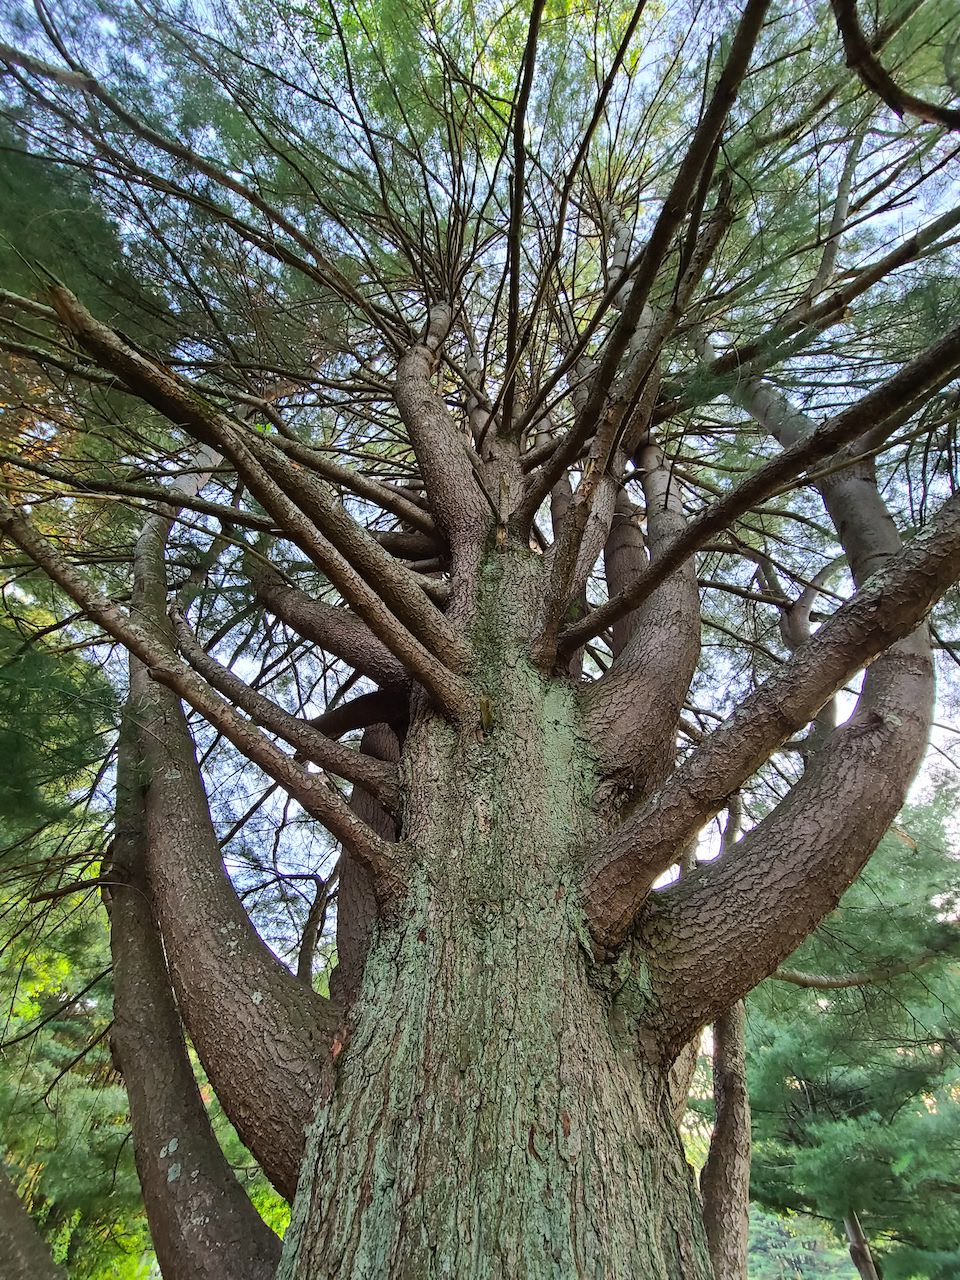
(493, 1111)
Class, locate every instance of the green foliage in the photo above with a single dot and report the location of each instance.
(55, 711)
(854, 1092)
(788, 1247)
(63, 1109)
(52, 225)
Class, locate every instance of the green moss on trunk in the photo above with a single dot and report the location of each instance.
(491, 1113)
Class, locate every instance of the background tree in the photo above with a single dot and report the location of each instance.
(524, 443)
(854, 1071)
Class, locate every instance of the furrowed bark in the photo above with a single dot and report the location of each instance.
(755, 905)
(357, 910)
(631, 712)
(23, 1252)
(247, 1015)
(888, 607)
(725, 1178)
(488, 1120)
(456, 501)
(202, 1223)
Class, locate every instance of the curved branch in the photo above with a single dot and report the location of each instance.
(440, 446)
(382, 706)
(196, 1208)
(247, 1015)
(155, 651)
(874, 75)
(887, 608)
(631, 712)
(758, 903)
(335, 629)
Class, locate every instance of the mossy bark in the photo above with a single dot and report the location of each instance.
(492, 1112)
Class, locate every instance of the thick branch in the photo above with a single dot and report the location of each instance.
(335, 629)
(23, 1252)
(357, 910)
(887, 608)
(754, 906)
(248, 1017)
(197, 1210)
(631, 712)
(725, 1178)
(440, 446)
(875, 76)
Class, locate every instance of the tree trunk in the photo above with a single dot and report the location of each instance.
(725, 1180)
(493, 1111)
(860, 1250)
(201, 1220)
(23, 1253)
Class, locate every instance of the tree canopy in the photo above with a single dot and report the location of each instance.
(478, 494)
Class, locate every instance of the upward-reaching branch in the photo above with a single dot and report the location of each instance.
(195, 1205)
(889, 606)
(932, 369)
(158, 387)
(517, 199)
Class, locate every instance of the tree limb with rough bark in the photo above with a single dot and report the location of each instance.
(535, 444)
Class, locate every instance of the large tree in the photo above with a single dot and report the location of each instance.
(535, 418)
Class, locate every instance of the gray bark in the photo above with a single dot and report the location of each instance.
(725, 1179)
(202, 1223)
(23, 1252)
